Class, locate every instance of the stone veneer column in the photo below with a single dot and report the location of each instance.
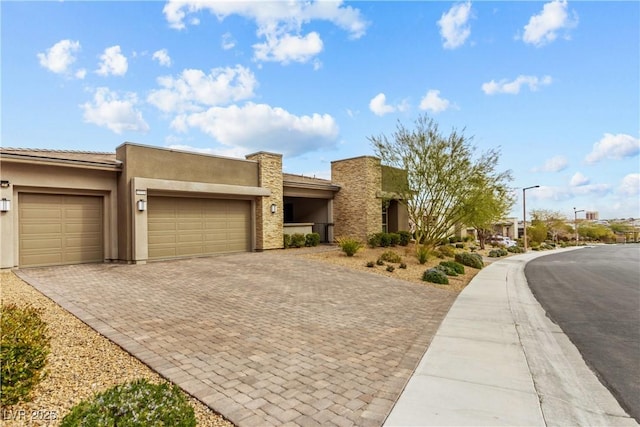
(269, 229)
(357, 210)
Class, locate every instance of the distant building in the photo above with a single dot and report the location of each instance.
(592, 215)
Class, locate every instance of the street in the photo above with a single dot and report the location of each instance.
(593, 294)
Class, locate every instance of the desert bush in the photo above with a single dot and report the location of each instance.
(395, 239)
(403, 265)
(390, 256)
(312, 239)
(459, 245)
(447, 251)
(405, 238)
(349, 245)
(370, 264)
(446, 270)
(390, 268)
(456, 266)
(138, 403)
(297, 240)
(385, 240)
(379, 262)
(496, 253)
(435, 275)
(373, 240)
(24, 346)
(423, 254)
(286, 240)
(516, 249)
(473, 260)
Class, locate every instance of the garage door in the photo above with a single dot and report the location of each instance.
(180, 227)
(60, 229)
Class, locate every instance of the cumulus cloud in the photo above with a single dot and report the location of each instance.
(228, 42)
(543, 28)
(378, 105)
(630, 185)
(262, 127)
(513, 87)
(162, 56)
(554, 164)
(578, 179)
(280, 24)
(562, 193)
(59, 57)
(112, 62)
(434, 103)
(116, 113)
(454, 25)
(235, 152)
(614, 147)
(194, 90)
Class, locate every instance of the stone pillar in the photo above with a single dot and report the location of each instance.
(269, 229)
(357, 210)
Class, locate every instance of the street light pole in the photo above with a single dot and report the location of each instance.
(524, 213)
(575, 223)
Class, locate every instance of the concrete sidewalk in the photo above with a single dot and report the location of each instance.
(498, 360)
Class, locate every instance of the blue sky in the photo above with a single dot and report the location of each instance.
(554, 85)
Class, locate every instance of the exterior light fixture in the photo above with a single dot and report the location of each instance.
(575, 223)
(5, 205)
(142, 205)
(524, 213)
(4, 184)
(274, 208)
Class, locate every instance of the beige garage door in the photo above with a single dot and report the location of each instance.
(181, 227)
(60, 229)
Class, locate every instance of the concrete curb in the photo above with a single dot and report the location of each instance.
(498, 360)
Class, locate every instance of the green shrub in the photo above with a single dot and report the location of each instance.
(435, 275)
(395, 239)
(470, 259)
(312, 239)
(379, 262)
(456, 266)
(452, 239)
(405, 238)
(286, 241)
(447, 251)
(349, 245)
(390, 268)
(24, 346)
(390, 256)
(385, 240)
(516, 249)
(403, 265)
(446, 270)
(298, 240)
(370, 264)
(460, 245)
(138, 403)
(423, 254)
(493, 253)
(373, 240)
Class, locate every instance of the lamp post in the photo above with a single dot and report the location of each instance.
(575, 223)
(524, 213)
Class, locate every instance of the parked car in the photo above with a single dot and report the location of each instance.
(502, 241)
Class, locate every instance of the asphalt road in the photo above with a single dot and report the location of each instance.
(593, 294)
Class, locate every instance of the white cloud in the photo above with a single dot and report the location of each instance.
(558, 194)
(454, 27)
(116, 113)
(578, 179)
(434, 103)
(81, 73)
(280, 24)
(630, 185)
(112, 61)
(235, 152)
(554, 164)
(378, 105)
(162, 56)
(255, 127)
(194, 90)
(228, 42)
(59, 57)
(513, 87)
(615, 147)
(543, 28)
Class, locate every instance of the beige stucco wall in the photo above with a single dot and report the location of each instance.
(269, 230)
(26, 177)
(357, 210)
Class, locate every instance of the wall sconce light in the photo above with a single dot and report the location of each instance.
(142, 205)
(4, 184)
(5, 205)
(274, 208)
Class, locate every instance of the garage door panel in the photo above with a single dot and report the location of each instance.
(198, 226)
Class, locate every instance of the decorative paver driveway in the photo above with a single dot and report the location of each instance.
(262, 338)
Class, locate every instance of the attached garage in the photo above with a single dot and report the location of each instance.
(182, 227)
(60, 229)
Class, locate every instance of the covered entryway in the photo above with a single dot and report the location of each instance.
(60, 229)
(183, 227)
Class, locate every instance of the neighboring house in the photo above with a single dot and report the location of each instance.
(146, 203)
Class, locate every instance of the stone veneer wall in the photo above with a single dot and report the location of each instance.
(357, 210)
(269, 229)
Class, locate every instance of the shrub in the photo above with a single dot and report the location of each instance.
(452, 239)
(446, 270)
(460, 245)
(349, 245)
(287, 240)
(370, 264)
(435, 275)
(403, 265)
(390, 256)
(390, 268)
(493, 253)
(447, 251)
(470, 259)
(422, 254)
(373, 240)
(379, 262)
(385, 240)
(456, 266)
(138, 403)
(297, 240)
(24, 346)
(395, 239)
(405, 238)
(312, 239)
(516, 249)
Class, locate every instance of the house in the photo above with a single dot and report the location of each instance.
(145, 203)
